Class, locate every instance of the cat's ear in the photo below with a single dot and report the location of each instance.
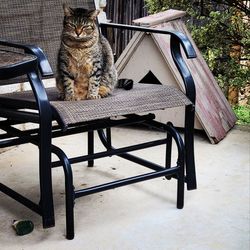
(93, 14)
(67, 10)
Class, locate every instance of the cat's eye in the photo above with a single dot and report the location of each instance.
(71, 25)
(88, 27)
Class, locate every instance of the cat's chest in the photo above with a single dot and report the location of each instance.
(80, 57)
(82, 62)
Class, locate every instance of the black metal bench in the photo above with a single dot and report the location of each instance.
(40, 106)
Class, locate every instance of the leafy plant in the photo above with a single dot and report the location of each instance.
(242, 114)
(224, 41)
(221, 31)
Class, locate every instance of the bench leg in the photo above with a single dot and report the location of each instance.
(69, 199)
(69, 192)
(189, 148)
(44, 144)
(46, 200)
(90, 147)
(172, 133)
(168, 152)
(180, 186)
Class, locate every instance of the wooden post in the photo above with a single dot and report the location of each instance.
(101, 4)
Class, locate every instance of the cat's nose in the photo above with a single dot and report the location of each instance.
(78, 31)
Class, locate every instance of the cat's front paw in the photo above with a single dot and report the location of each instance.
(92, 97)
(104, 91)
(69, 98)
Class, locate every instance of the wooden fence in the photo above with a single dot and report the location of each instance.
(120, 11)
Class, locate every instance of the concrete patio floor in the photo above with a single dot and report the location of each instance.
(139, 216)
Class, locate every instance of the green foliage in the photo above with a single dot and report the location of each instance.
(224, 41)
(155, 6)
(243, 114)
(221, 33)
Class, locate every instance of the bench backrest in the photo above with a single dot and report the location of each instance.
(36, 22)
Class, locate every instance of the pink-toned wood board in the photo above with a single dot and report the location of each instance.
(212, 108)
(160, 17)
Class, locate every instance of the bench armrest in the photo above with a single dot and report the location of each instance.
(186, 44)
(177, 39)
(38, 89)
(43, 63)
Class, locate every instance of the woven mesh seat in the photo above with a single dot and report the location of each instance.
(142, 98)
(8, 58)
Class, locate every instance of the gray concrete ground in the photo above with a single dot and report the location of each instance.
(140, 216)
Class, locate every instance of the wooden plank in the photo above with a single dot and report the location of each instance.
(124, 12)
(212, 108)
(128, 51)
(160, 17)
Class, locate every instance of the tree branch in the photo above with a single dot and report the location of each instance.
(240, 5)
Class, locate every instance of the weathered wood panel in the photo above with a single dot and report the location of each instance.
(123, 12)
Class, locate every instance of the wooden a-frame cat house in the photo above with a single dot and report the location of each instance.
(148, 56)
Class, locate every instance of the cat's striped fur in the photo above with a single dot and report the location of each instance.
(85, 60)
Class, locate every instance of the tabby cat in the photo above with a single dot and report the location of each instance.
(85, 61)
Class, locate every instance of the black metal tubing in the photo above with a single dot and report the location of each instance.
(189, 144)
(133, 158)
(32, 134)
(180, 162)
(162, 172)
(189, 112)
(182, 68)
(22, 116)
(109, 140)
(14, 141)
(168, 128)
(44, 141)
(168, 150)
(43, 63)
(25, 136)
(15, 136)
(112, 152)
(20, 198)
(90, 147)
(71, 195)
(178, 171)
(189, 150)
(18, 69)
(45, 119)
(177, 39)
(69, 191)
(186, 44)
(124, 182)
(12, 103)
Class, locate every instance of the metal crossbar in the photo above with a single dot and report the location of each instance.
(71, 194)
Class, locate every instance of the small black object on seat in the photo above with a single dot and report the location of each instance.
(126, 84)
